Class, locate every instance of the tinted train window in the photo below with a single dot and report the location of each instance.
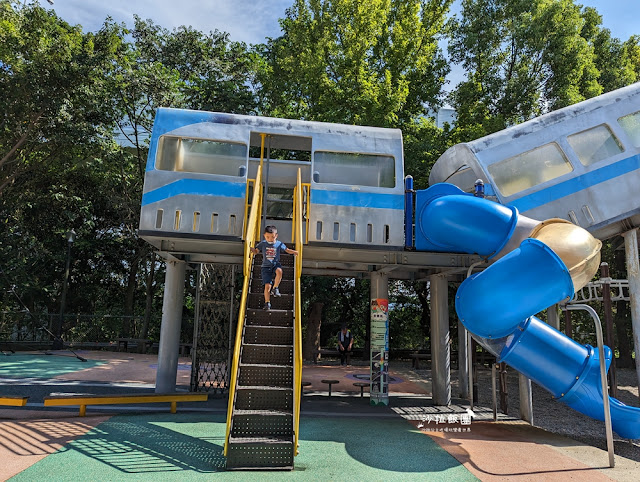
(354, 169)
(631, 125)
(594, 145)
(529, 169)
(198, 155)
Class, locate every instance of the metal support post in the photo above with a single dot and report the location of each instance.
(603, 376)
(568, 326)
(463, 365)
(633, 275)
(504, 395)
(440, 350)
(608, 321)
(552, 317)
(168, 350)
(470, 368)
(494, 402)
(526, 400)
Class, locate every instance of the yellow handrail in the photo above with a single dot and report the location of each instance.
(253, 226)
(297, 332)
(249, 183)
(306, 186)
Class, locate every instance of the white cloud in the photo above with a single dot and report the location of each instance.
(247, 21)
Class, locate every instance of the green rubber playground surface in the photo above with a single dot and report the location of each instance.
(41, 365)
(189, 446)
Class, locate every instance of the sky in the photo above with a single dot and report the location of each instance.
(251, 21)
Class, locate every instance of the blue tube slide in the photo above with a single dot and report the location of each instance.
(497, 304)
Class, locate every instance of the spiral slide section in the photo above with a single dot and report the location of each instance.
(537, 264)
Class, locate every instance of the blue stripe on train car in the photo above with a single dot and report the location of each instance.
(358, 199)
(196, 187)
(576, 184)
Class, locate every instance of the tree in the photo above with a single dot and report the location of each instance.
(522, 58)
(613, 58)
(213, 72)
(50, 95)
(54, 126)
(372, 63)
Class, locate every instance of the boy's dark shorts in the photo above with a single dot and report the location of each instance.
(269, 273)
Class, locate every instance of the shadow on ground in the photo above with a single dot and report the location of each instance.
(190, 446)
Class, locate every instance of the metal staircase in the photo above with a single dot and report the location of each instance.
(263, 413)
(262, 424)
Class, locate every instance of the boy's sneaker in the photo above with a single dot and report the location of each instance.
(276, 292)
(267, 306)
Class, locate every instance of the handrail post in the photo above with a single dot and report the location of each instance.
(297, 332)
(603, 376)
(246, 270)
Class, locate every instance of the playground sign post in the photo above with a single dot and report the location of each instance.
(379, 351)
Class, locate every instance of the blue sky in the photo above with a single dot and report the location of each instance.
(251, 21)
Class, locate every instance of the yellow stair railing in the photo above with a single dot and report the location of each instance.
(251, 234)
(297, 330)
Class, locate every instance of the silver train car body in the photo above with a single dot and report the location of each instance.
(199, 163)
(580, 163)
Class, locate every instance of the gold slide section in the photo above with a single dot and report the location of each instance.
(577, 248)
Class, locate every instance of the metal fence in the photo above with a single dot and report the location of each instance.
(96, 328)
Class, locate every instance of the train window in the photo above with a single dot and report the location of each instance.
(595, 144)
(355, 169)
(631, 125)
(199, 155)
(529, 169)
(214, 223)
(159, 214)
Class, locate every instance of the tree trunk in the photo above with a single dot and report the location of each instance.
(312, 340)
(150, 293)
(425, 316)
(130, 297)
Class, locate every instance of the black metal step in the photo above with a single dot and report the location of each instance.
(285, 259)
(260, 453)
(262, 423)
(267, 335)
(264, 353)
(265, 376)
(264, 398)
(262, 412)
(270, 317)
(257, 286)
(284, 302)
(287, 273)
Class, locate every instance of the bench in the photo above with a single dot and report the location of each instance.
(317, 354)
(84, 400)
(416, 357)
(13, 401)
(134, 341)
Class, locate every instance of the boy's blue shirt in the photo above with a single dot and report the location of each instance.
(271, 252)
